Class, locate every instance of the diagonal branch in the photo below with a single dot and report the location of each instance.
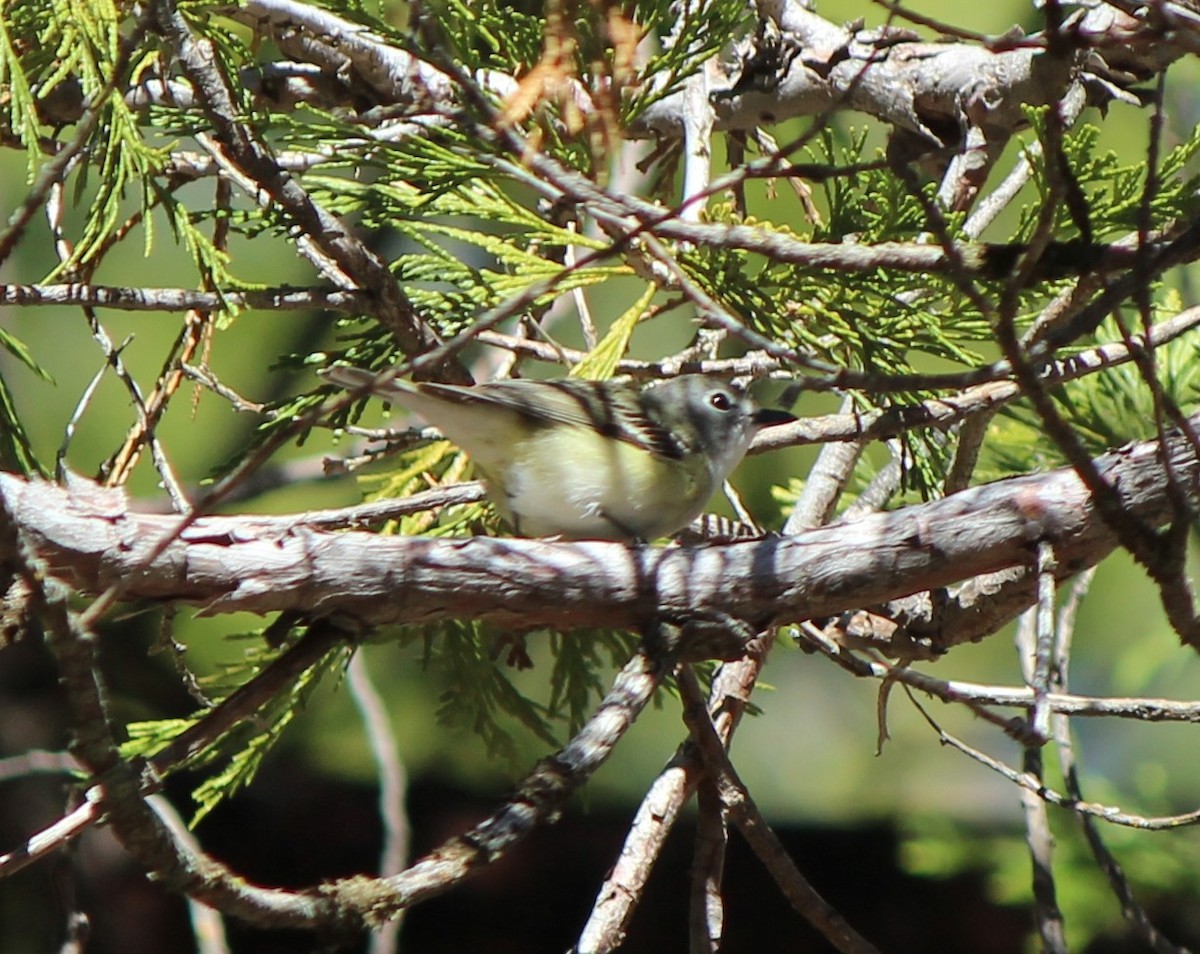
(356, 266)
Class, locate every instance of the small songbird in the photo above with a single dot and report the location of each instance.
(590, 460)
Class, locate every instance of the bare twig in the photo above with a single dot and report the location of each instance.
(148, 298)
(706, 908)
(1069, 767)
(1036, 786)
(1035, 638)
(757, 832)
(208, 928)
(393, 787)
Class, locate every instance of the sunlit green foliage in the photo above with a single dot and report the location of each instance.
(1115, 193)
(235, 757)
(1105, 410)
(464, 225)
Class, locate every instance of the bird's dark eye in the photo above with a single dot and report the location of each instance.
(720, 400)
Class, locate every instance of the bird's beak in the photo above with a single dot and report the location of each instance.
(769, 416)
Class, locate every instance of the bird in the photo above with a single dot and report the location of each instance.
(579, 460)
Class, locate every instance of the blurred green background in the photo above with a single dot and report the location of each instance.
(810, 757)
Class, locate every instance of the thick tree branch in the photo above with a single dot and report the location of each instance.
(226, 564)
(801, 65)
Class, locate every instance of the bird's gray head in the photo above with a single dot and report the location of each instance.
(710, 416)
